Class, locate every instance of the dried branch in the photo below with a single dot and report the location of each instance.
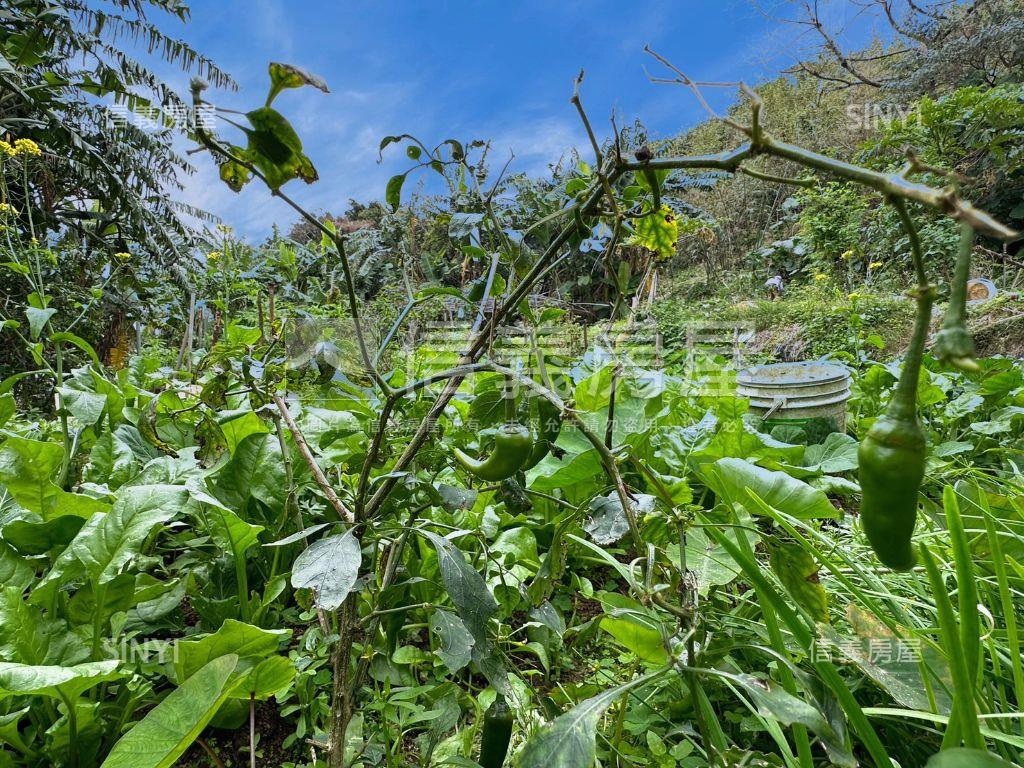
(307, 455)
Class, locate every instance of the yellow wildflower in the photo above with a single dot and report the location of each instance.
(821, 276)
(7, 208)
(213, 256)
(122, 256)
(6, 149)
(27, 147)
(848, 255)
(853, 296)
(874, 265)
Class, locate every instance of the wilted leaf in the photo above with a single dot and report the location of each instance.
(658, 232)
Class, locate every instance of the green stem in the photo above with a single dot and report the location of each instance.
(903, 404)
(72, 730)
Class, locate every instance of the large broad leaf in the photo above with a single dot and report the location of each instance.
(256, 469)
(160, 738)
(734, 479)
(87, 407)
(229, 532)
(569, 741)
(236, 638)
(15, 571)
(111, 461)
(54, 681)
(330, 568)
(708, 562)
(895, 665)
(838, 453)
(27, 637)
(268, 677)
(579, 463)
(107, 543)
(966, 758)
(27, 468)
(37, 537)
(238, 425)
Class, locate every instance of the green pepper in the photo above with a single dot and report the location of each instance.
(496, 735)
(953, 343)
(892, 457)
(548, 428)
(512, 447)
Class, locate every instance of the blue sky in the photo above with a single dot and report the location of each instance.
(467, 69)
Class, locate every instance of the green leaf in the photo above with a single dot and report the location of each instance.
(961, 757)
(87, 407)
(773, 701)
(256, 469)
(230, 533)
(735, 479)
(78, 341)
(7, 407)
(15, 571)
(393, 191)
(569, 741)
(37, 318)
(32, 537)
(234, 173)
(54, 681)
(265, 679)
(466, 587)
(638, 633)
(235, 638)
(161, 737)
(798, 572)
(276, 150)
(29, 638)
(26, 470)
(330, 568)
(112, 461)
(455, 643)
(108, 542)
(837, 454)
(238, 425)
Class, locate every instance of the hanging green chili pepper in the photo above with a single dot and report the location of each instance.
(892, 457)
(954, 343)
(496, 735)
(548, 428)
(512, 447)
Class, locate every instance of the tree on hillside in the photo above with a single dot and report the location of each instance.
(108, 176)
(934, 46)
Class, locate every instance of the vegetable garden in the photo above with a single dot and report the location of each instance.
(293, 523)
